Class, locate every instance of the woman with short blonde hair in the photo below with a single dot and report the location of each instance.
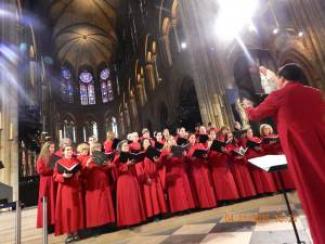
(82, 147)
(263, 129)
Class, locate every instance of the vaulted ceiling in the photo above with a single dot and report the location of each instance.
(84, 32)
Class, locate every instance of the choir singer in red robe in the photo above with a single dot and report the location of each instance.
(299, 112)
(99, 208)
(47, 186)
(69, 215)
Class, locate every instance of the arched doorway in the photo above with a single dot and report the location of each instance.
(188, 110)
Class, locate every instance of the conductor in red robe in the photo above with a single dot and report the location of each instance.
(299, 112)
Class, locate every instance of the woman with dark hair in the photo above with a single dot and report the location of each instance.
(222, 177)
(178, 185)
(161, 145)
(200, 173)
(99, 208)
(152, 188)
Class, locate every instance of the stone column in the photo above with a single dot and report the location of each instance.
(205, 70)
(9, 102)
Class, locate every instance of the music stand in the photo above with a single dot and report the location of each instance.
(274, 164)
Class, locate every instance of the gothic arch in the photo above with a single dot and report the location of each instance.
(69, 115)
(141, 95)
(69, 126)
(188, 111)
(166, 52)
(165, 40)
(146, 43)
(151, 62)
(110, 122)
(90, 127)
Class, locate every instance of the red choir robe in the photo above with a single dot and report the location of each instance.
(129, 204)
(154, 199)
(178, 185)
(47, 188)
(162, 171)
(263, 181)
(222, 177)
(108, 146)
(59, 153)
(69, 209)
(273, 149)
(300, 115)
(188, 168)
(135, 147)
(242, 177)
(202, 179)
(99, 206)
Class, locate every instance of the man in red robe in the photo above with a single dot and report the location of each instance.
(299, 113)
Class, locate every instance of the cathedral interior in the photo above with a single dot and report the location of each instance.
(78, 68)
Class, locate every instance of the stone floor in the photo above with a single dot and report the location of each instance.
(256, 221)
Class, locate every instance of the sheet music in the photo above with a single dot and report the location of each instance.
(268, 161)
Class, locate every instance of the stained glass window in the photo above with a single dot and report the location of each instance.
(104, 92)
(110, 90)
(91, 94)
(67, 90)
(104, 74)
(106, 86)
(83, 94)
(87, 88)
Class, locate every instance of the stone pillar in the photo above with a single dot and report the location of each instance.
(205, 70)
(9, 102)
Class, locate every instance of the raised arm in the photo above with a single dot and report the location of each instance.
(267, 108)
